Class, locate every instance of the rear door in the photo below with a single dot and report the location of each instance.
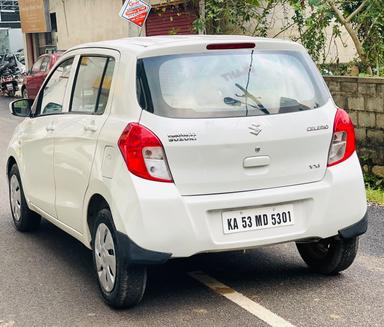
(76, 133)
(238, 121)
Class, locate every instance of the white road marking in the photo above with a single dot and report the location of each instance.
(241, 300)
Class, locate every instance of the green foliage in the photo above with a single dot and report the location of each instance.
(223, 16)
(313, 17)
(369, 25)
(364, 20)
(375, 196)
(334, 69)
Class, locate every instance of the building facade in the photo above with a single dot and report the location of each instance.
(11, 39)
(66, 23)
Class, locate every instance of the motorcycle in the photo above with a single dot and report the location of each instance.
(10, 75)
(9, 84)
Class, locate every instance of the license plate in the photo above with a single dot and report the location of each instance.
(236, 221)
(10, 87)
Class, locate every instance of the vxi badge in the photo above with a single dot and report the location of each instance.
(317, 128)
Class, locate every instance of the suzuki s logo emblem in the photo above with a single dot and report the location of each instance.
(255, 129)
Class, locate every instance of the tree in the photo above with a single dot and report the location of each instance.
(362, 19)
(235, 16)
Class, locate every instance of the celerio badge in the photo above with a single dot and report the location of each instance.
(317, 128)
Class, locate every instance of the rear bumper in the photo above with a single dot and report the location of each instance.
(356, 229)
(158, 218)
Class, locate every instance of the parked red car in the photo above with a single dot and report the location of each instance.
(37, 74)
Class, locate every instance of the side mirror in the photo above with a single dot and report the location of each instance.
(21, 107)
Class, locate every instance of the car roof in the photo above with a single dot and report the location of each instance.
(141, 45)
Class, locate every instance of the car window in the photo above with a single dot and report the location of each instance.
(92, 86)
(45, 64)
(228, 84)
(106, 86)
(36, 65)
(51, 98)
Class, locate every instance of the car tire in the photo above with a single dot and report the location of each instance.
(24, 219)
(329, 256)
(24, 93)
(121, 285)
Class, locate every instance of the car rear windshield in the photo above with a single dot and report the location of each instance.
(229, 84)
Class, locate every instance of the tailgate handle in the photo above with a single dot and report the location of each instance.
(260, 161)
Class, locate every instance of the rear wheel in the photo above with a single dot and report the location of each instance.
(120, 284)
(25, 220)
(329, 256)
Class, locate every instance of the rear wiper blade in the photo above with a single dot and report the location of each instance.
(260, 106)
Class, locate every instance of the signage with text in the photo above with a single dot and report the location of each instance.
(135, 11)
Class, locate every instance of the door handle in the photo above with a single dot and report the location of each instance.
(50, 128)
(90, 127)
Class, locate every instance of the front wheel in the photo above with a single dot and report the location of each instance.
(121, 285)
(24, 219)
(329, 256)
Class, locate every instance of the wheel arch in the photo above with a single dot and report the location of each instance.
(96, 203)
(10, 162)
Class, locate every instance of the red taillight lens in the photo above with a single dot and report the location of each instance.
(144, 154)
(231, 46)
(343, 140)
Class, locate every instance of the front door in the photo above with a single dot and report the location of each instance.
(38, 143)
(76, 135)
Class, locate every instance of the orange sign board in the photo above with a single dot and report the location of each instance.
(135, 11)
(34, 16)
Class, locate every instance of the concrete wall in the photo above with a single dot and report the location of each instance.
(363, 98)
(89, 20)
(15, 39)
(11, 40)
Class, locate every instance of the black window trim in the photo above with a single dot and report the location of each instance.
(94, 113)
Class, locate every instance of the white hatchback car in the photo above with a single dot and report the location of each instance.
(147, 149)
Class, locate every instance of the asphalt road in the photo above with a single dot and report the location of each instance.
(46, 279)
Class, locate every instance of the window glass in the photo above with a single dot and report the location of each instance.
(52, 97)
(106, 87)
(229, 84)
(45, 64)
(36, 66)
(92, 86)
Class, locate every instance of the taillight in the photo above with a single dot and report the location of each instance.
(144, 154)
(343, 140)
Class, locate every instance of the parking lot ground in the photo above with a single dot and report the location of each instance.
(46, 279)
